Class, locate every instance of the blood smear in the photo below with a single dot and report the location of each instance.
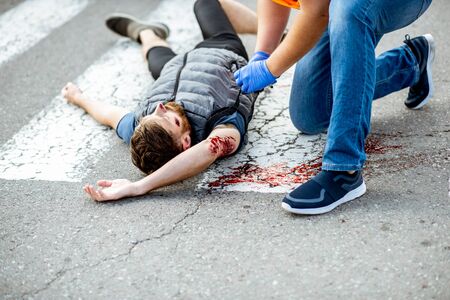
(281, 175)
(375, 146)
(275, 175)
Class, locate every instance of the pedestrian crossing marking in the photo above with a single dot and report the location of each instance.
(62, 143)
(29, 22)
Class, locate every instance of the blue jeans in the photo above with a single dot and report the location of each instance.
(335, 83)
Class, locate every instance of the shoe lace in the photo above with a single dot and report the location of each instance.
(408, 42)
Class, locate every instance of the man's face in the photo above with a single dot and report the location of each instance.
(176, 123)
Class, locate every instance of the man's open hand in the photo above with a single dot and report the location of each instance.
(110, 189)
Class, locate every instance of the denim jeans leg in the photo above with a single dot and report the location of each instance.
(352, 47)
(396, 70)
(311, 94)
(353, 29)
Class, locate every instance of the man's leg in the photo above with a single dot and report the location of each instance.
(311, 97)
(212, 19)
(152, 36)
(156, 51)
(354, 29)
(242, 18)
(216, 28)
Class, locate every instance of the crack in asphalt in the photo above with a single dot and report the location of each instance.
(15, 247)
(64, 271)
(167, 232)
(58, 275)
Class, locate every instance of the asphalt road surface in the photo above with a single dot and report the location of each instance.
(222, 234)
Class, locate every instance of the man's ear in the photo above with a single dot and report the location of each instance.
(186, 141)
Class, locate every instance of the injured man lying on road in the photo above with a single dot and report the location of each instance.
(195, 113)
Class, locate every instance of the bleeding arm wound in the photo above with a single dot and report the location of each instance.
(222, 146)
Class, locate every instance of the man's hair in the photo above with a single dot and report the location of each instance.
(152, 146)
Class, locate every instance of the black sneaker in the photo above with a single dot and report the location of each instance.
(129, 26)
(423, 48)
(324, 192)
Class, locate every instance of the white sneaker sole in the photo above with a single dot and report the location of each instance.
(353, 194)
(431, 51)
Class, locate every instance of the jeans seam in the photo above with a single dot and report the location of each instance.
(365, 21)
(365, 82)
(399, 72)
(416, 66)
(329, 106)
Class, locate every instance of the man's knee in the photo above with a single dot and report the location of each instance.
(309, 102)
(306, 123)
(344, 14)
(197, 4)
(309, 128)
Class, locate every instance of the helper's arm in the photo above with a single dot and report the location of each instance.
(309, 25)
(104, 113)
(223, 141)
(272, 21)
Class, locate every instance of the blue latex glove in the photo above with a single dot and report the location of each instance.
(254, 77)
(259, 55)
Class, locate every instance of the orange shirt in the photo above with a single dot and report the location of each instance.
(289, 3)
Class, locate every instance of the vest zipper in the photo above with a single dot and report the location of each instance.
(177, 80)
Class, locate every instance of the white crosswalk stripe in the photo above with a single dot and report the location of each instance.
(62, 143)
(28, 23)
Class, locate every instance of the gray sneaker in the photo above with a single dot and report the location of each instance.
(129, 26)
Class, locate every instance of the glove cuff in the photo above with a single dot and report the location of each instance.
(268, 73)
(262, 54)
(259, 55)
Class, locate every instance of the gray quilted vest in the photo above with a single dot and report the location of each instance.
(202, 82)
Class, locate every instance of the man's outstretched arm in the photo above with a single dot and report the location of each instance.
(223, 141)
(104, 113)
